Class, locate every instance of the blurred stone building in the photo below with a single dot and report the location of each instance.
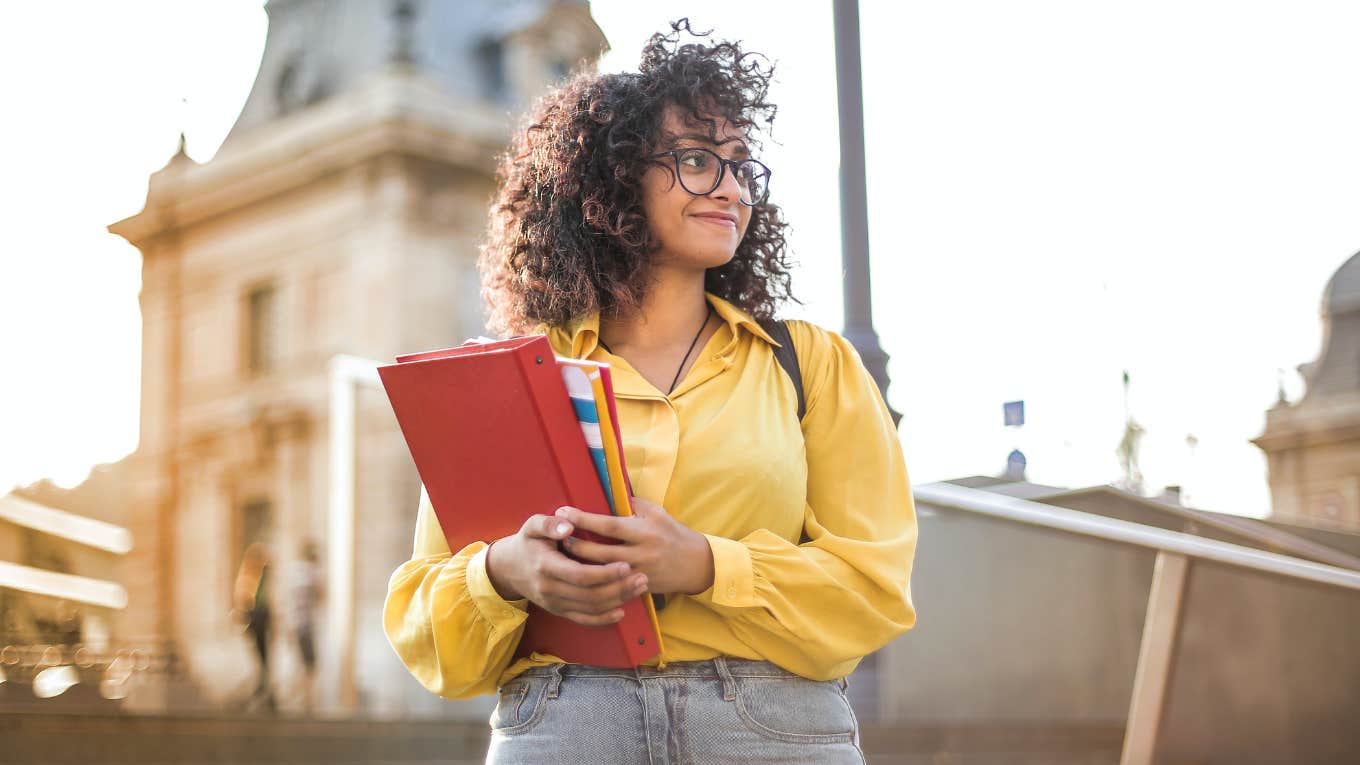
(1313, 446)
(341, 216)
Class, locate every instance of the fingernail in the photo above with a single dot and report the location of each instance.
(563, 528)
(561, 511)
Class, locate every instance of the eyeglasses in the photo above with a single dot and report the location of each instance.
(701, 171)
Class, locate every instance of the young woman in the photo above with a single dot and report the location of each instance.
(633, 227)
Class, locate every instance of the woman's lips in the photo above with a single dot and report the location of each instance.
(718, 220)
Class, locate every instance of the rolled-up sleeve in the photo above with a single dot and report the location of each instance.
(444, 619)
(818, 607)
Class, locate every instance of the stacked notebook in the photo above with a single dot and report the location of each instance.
(503, 430)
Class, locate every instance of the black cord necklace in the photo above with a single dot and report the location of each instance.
(692, 343)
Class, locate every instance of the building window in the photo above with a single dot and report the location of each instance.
(262, 333)
(491, 63)
(288, 92)
(1331, 507)
(559, 69)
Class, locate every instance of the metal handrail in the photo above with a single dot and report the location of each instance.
(65, 525)
(1127, 532)
(54, 584)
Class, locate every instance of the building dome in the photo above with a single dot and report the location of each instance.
(1337, 368)
(1343, 291)
(1313, 446)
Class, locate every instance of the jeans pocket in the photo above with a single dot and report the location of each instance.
(795, 709)
(519, 706)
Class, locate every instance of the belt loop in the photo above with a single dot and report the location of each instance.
(554, 680)
(729, 684)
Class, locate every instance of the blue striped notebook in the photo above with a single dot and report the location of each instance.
(583, 402)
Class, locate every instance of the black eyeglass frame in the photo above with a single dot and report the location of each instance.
(723, 164)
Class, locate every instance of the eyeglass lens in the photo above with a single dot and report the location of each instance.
(700, 174)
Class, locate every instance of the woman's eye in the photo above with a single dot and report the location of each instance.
(693, 159)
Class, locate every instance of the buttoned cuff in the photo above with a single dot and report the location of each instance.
(734, 579)
(502, 613)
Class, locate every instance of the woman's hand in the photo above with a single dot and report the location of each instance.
(529, 565)
(674, 557)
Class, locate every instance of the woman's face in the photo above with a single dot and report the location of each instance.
(698, 232)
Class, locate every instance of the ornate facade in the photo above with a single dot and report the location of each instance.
(341, 216)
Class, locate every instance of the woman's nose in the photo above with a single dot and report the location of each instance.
(728, 188)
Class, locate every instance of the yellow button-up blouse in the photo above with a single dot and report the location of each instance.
(724, 454)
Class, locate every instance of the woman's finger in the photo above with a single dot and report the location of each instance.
(564, 569)
(623, 528)
(593, 600)
(596, 552)
(547, 527)
(594, 620)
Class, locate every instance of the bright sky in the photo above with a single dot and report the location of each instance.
(1058, 191)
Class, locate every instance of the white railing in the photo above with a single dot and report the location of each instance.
(1114, 530)
(1174, 553)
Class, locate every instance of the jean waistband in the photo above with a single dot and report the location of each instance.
(719, 668)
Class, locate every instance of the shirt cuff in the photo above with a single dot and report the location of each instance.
(500, 612)
(734, 579)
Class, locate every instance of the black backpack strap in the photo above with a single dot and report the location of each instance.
(788, 357)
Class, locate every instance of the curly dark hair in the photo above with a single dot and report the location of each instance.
(568, 235)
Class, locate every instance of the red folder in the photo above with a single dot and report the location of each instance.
(495, 440)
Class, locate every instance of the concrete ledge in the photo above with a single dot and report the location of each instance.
(57, 739)
(95, 739)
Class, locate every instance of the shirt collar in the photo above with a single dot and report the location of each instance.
(580, 338)
(735, 317)
(577, 339)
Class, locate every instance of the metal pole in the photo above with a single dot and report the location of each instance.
(340, 581)
(346, 374)
(1156, 655)
(859, 320)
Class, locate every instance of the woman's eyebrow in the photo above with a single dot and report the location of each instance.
(704, 138)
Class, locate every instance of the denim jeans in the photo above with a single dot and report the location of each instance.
(690, 713)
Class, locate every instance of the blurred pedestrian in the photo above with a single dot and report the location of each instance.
(251, 596)
(305, 593)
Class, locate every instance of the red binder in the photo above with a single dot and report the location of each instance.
(495, 440)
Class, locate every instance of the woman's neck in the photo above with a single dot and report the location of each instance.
(673, 309)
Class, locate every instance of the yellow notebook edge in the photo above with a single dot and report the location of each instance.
(619, 486)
